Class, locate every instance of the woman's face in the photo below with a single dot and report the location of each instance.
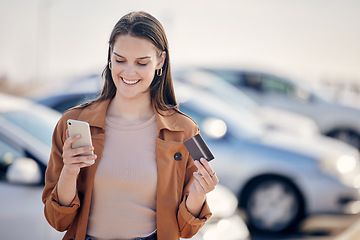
(134, 62)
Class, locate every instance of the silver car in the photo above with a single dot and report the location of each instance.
(333, 119)
(278, 178)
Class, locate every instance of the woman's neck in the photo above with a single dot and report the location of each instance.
(130, 111)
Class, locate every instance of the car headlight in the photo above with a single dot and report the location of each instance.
(346, 164)
(346, 168)
(214, 128)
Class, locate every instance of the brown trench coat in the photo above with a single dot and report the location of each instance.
(174, 176)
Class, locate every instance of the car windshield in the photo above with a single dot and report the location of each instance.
(223, 89)
(35, 120)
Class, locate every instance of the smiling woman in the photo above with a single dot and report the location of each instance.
(143, 183)
(134, 62)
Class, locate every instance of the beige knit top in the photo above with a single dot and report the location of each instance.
(124, 196)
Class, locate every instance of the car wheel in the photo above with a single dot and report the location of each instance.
(273, 205)
(347, 136)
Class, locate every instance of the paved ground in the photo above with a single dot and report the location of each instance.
(321, 228)
(352, 233)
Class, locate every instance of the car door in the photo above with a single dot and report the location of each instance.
(21, 208)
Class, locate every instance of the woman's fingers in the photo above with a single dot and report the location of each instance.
(80, 159)
(77, 155)
(206, 176)
(209, 170)
(203, 173)
(70, 140)
(77, 151)
(200, 183)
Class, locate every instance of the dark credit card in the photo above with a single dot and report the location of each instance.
(198, 148)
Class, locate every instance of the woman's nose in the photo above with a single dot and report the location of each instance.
(129, 70)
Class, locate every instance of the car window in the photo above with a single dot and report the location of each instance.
(40, 124)
(8, 153)
(273, 84)
(231, 77)
(216, 85)
(253, 81)
(70, 102)
(278, 85)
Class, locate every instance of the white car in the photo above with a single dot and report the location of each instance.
(333, 119)
(25, 139)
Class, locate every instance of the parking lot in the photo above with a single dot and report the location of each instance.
(322, 227)
(274, 160)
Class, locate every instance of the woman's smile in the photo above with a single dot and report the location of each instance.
(129, 81)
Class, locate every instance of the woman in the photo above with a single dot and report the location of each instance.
(143, 184)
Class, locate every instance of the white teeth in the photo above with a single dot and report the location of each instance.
(130, 82)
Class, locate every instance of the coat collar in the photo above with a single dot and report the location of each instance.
(95, 114)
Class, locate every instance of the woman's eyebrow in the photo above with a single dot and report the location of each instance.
(137, 58)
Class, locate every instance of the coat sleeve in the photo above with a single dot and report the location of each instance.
(188, 224)
(59, 217)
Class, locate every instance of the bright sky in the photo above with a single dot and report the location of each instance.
(55, 39)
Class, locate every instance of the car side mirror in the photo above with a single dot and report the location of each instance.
(24, 171)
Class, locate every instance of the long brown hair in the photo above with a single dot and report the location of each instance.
(143, 25)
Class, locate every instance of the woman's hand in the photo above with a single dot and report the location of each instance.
(205, 179)
(72, 164)
(72, 161)
(204, 182)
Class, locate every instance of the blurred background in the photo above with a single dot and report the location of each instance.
(281, 80)
(51, 40)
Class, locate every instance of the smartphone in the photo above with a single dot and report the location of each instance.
(82, 128)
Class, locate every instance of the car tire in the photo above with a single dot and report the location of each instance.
(273, 205)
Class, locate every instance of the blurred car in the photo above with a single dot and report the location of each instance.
(25, 140)
(277, 177)
(272, 117)
(63, 101)
(333, 119)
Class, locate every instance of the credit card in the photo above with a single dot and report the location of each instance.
(198, 148)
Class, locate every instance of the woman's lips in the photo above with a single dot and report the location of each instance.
(130, 82)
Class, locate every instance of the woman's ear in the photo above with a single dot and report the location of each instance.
(161, 60)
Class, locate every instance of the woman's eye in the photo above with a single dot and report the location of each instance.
(142, 64)
(119, 61)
